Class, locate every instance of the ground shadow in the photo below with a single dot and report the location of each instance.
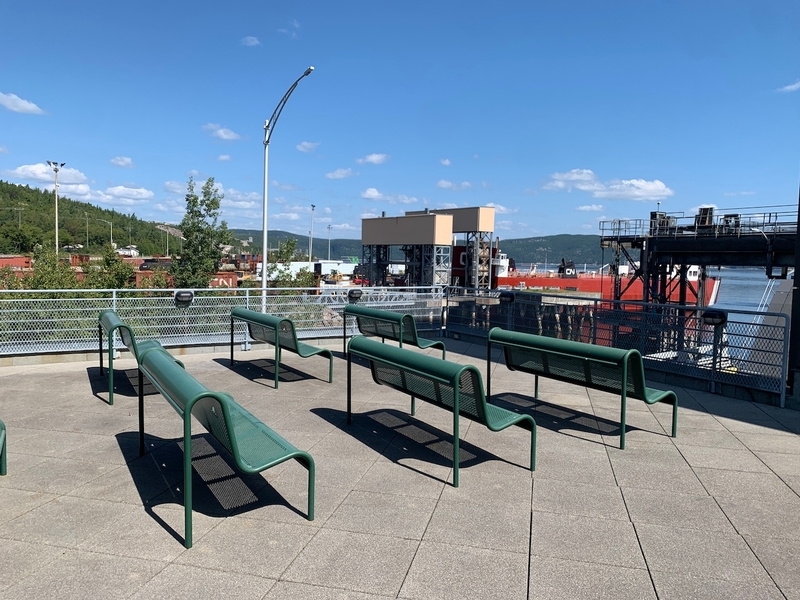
(262, 371)
(398, 436)
(218, 488)
(126, 382)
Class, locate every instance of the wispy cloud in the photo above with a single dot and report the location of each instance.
(287, 187)
(446, 162)
(449, 185)
(121, 191)
(291, 30)
(174, 187)
(371, 194)
(591, 208)
(339, 174)
(224, 157)
(122, 161)
(16, 104)
(373, 159)
(3, 150)
(621, 189)
(792, 87)
(307, 146)
(739, 194)
(221, 133)
(250, 41)
(500, 209)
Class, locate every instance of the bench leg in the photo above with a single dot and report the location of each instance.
(622, 425)
(141, 413)
(308, 463)
(533, 446)
(277, 360)
(3, 459)
(330, 367)
(349, 386)
(111, 370)
(187, 481)
(231, 341)
(456, 441)
(675, 417)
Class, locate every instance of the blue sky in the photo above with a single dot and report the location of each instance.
(559, 114)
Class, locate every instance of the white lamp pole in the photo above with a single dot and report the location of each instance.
(311, 239)
(329, 242)
(56, 168)
(269, 126)
(112, 229)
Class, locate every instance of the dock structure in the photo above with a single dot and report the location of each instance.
(669, 244)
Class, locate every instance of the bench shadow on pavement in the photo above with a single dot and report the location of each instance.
(562, 419)
(125, 382)
(399, 437)
(219, 489)
(262, 371)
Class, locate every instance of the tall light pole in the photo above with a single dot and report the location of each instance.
(329, 242)
(56, 168)
(269, 126)
(311, 238)
(86, 214)
(112, 229)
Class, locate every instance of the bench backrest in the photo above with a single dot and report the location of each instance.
(423, 376)
(268, 328)
(111, 322)
(599, 367)
(384, 323)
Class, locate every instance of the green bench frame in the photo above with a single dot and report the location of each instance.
(598, 367)
(398, 327)
(109, 323)
(253, 446)
(3, 458)
(454, 387)
(280, 332)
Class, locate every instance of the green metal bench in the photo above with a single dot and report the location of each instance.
(109, 323)
(398, 327)
(3, 458)
(280, 332)
(454, 387)
(253, 446)
(598, 367)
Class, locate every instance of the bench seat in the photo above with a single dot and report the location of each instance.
(388, 325)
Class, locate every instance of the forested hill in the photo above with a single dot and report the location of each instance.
(552, 248)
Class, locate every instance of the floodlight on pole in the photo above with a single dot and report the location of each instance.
(311, 238)
(112, 229)
(56, 168)
(269, 127)
(329, 242)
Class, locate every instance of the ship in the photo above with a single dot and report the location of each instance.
(610, 282)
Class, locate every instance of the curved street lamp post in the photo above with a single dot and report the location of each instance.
(269, 126)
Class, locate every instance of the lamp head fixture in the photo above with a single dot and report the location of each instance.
(308, 71)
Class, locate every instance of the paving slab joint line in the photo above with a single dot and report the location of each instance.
(530, 543)
(644, 557)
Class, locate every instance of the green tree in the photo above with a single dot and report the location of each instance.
(279, 274)
(203, 237)
(115, 273)
(50, 273)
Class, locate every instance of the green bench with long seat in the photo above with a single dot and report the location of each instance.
(252, 444)
(279, 332)
(388, 325)
(601, 368)
(454, 387)
(110, 323)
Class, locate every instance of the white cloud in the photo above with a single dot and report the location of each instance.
(291, 31)
(448, 205)
(446, 162)
(591, 207)
(622, 189)
(121, 191)
(504, 225)
(339, 174)
(42, 172)
(343, 227)
(174, 187)
(449, 185)
(3, 150)
(122, 161)
(286, 216)
(792, 87)
(250, 41)
(373, 159)
(221, 133)
(287, 187)
(403, 199)
(500, 209)
(16, 104)
(307, 146)
(370, 215)
(371, 194)
(236, 199)
(224, 157)
(739, 194)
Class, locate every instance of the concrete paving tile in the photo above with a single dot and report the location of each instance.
(689, 511)
(712, 438)
(353, 561)
(19, 560)
(399, 473)
(53, 475)
(679, 586)
(723, 458)
(462, 523)
(444, 572)
(701, 421)
(578, 499)
(383, 514)
(250, 546)
(82, 574)
(700, 554)
(514, 488)
(586, 539)
(18, 502)
(763, 442)
(285, 590)
(775, 517)
(344, 444)
(135, 484)
(765, 425)
(632, 474)
(65, 521)
(48, 443)
(179, 582)
(723, 482)
(780, 557)
(558, 579)
(784, 465)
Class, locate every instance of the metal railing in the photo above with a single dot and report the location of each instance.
(58, 321)
(749, 350)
